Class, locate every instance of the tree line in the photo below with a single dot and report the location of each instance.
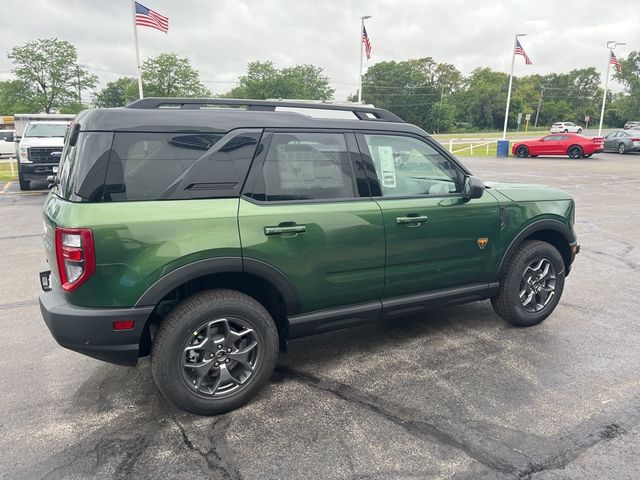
(435, 96)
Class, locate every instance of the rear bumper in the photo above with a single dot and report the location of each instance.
(90, 330)
(36, 171)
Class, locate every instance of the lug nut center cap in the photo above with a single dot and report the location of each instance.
(220, 354)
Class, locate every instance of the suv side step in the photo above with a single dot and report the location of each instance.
(344, 317)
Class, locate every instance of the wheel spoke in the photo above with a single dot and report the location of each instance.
(242, 356)
(201, 370)
(527, 301)
(198, 346)
(225, 377)
(234, 336)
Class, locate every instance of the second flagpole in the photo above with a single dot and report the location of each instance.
(513, 62)
(135, 39)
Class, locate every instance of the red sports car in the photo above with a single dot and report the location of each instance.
(574, 145)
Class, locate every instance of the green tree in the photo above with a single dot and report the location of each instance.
(629, 76)
(412, 88)
(263, 80)
(50, 71)
(484, 99)
(15, 97)
(117, 93)
(168, 75)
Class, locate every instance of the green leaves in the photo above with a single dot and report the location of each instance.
(263, 81)
(118, 93)
(49, 70)
(169, 75)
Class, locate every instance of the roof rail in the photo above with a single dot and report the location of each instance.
(361, 112)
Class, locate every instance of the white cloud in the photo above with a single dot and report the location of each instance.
(221, 36)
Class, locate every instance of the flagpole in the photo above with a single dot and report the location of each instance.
(604, 96)
(135, 38)
(513, 62)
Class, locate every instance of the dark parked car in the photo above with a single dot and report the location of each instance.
(623, 141)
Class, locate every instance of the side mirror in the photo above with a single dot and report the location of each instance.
(10, 137)
(472, 187)
(52, 181)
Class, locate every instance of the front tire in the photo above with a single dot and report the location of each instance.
(531, 285)
(214, 352)
(579, 131)
(522, 151)
(622, 149)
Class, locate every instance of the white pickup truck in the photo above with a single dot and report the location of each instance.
(40, 140)
(7, 147)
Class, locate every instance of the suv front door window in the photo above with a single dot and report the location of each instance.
(435, 237)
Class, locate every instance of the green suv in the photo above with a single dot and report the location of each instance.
(209, 232)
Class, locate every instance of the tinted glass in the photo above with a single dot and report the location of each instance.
(307, 166)
(152, 166)
(46, 130)
(83, 167)
(406, 166)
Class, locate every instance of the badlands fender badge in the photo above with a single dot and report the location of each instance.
(482, 242)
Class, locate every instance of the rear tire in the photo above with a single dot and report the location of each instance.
(565, 131)
(24, 184)
(525, 297)
(232, 343)
(575, 151)
(522, 151)
(622, 149)
(579, 130)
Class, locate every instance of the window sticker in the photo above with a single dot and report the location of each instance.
(387, 167)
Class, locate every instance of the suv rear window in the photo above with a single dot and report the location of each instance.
(83, 167)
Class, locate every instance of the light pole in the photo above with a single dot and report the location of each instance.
(362, 19)
(611, 45)
(513, 62)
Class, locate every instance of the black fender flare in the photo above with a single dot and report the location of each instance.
(221, 265)
(546, 224)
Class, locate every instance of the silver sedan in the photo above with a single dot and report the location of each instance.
(623, 141)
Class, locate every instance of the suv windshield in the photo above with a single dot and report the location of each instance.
(46, 130)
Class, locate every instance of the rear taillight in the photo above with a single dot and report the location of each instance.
(635, 139)
(76, 256)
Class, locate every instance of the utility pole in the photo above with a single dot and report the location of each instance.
(535, 124)
(362, 19)
(79, 87)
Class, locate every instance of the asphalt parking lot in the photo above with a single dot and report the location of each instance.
(456, 393)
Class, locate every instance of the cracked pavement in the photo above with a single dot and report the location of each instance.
(456, 393)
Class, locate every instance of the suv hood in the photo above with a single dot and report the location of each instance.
(42, 142)
(523, 192)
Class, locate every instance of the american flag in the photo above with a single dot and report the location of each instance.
(520, 51)
(613, 60)
(367, 43)
(146, 17)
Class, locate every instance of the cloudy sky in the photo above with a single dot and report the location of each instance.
(221, 36)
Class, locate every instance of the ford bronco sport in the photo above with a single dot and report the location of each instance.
(207, 236)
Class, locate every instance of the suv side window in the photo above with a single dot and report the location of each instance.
(306, 166)
(406, 166)
(178, 166)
